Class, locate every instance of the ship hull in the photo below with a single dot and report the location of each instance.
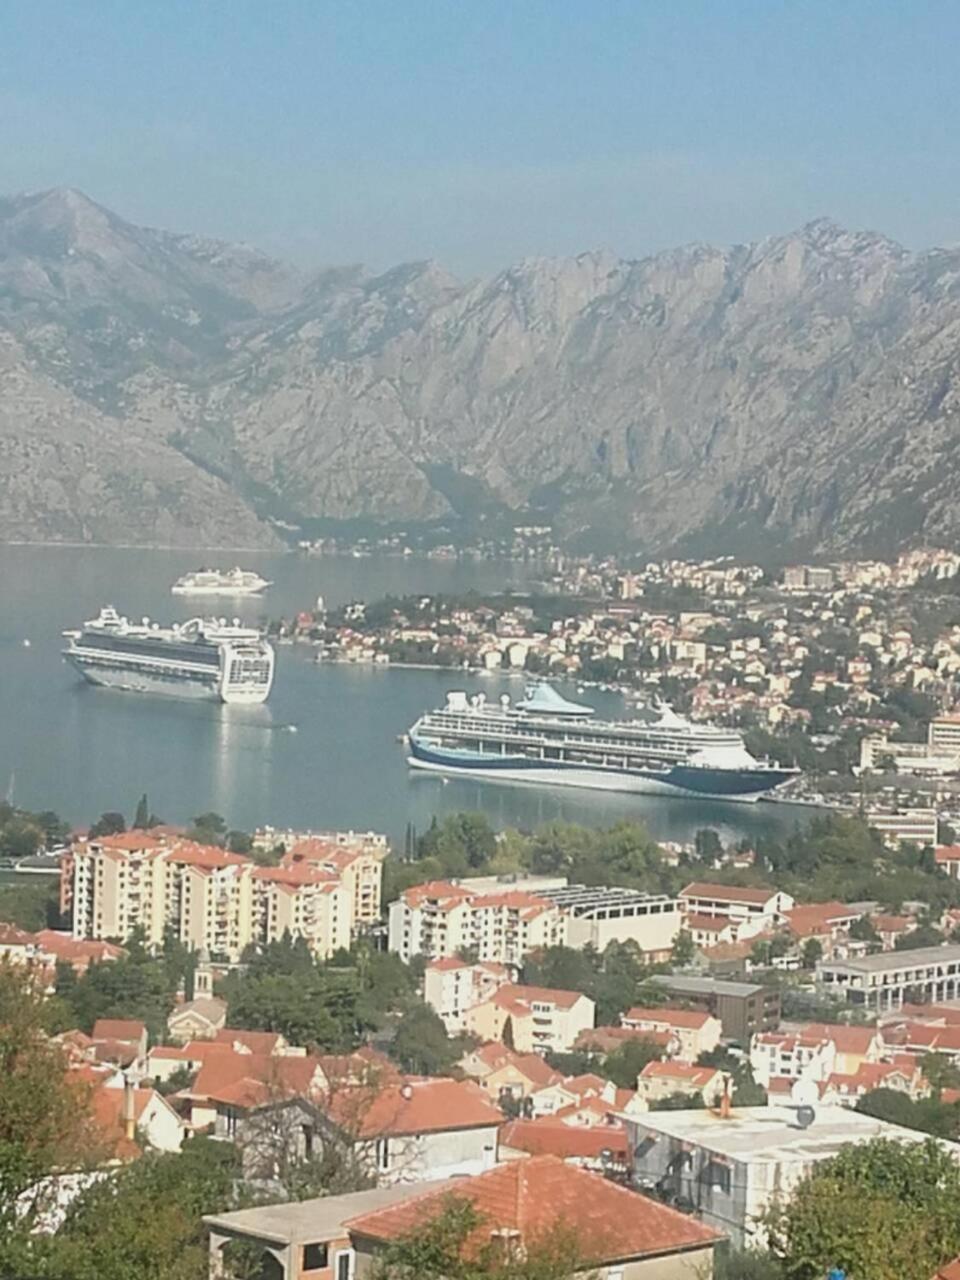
(743, 786)
(159, 684)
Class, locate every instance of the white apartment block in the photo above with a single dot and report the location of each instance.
(763, 906)
(441, 919)
(452, 986)
(213, 900)
(917, 826)
(799, 1056)
(888, 980)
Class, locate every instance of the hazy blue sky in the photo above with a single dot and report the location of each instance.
(480, 131)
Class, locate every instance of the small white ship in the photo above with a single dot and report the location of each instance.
(220, 582)
(208, 659)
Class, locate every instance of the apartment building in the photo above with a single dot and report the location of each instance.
(451, 986)
(539, 1019)
(212, 900)
(695, 1030)
(892, 978)
(441, 919)
(600, 914)
(755, 909)
(914, 826)
(358, 867)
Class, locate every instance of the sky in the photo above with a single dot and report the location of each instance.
(479, 132)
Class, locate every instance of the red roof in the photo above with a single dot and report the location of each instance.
(206, 856)
(949, 1271)
(534, 1196)
(688, 1019)
(708, 924)
(106, 1109)
(727, 892)
(251, 1079)
(64, 947)
(520, 999)
(435, 890)
(265, 1042)
(125, 1030)
(299, 874)
(495, 1055)
(847, 1039)
(946, 853)
(607, 1038)
(819, 917)
(551, 1137)
(128, 841)
(698, 1076)
(413, 1106)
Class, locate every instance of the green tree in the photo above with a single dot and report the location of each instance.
(108, 824)
(941, 1072)
(625, 1063)
(20, 838)
(141, 819)
(684, 949)
(459, 1243)
(925, 935)
(812, 952)
(884, 1210)
(208, 828)
(241, 842)
(421, 1045)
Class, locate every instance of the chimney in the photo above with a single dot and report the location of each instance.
(127, 1112)
(726, 1103)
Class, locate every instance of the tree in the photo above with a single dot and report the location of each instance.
(460, 1244)
(45, 1120)
(684, 949)
(925, 935)
(884, 1210)
(20, 838)
(708, 845)
(421, 1045)
(812, 952)
(141, 819)
(208, 828)
(108, 824)
(625, 1063)
(241, 842)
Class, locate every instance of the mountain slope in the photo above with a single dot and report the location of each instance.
(797, 393)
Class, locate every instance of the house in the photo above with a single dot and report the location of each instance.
(853, 1045)
(606, 1039)
(711, 931)
(660, 1080)
(826, 922)
(904, 1075)
(532, 1019)
(451, 986)
(891, 928)
(947, 858)
(119, 1040)
(696, 1030)
(199, 1019)
(602, 1147)
(792, 1055)
(733, 1166)
(754, 909)
(124, 1114)
(414, 1129)
(503, 1073)
(231, 1084)
(620, 1233)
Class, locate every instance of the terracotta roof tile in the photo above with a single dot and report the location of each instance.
(538, 1194)
(727, 892)
(414, 1106)
(126, 1030)
(551, 1137)
(510, 995)
(686, 1019)
(699, 1076)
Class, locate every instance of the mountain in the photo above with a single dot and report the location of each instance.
(799, 395)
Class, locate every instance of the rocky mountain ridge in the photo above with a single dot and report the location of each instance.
(800, 393)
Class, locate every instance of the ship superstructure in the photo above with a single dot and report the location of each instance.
(209, 659)
(547, 739)
(220, 582)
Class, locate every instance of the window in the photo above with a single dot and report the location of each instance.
(383, 1153)
(315, 1256)
(344, 1265)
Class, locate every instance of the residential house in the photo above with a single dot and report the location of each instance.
(532, 1019)
(854, 1045)
(711, 931)
(825, 922)
(623, 1236)
(742, 1007)
(503, 1073)
(947, 858)
(792, 1055)
(127, 1119)
(660, 1080)
(696, 1030)
(602, 1147)
(451, 986)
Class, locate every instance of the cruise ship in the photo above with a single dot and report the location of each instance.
(220, 582)
(209, 659)
(546, 739)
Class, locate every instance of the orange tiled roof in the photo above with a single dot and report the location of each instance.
(699, 1076)
(298, 874)
(496, 1055)
(727, 892)
(125, 1030)
(551, 1137)
(205, 856)
(128, 841)
(520, 999)
(688, 1019)
(708, 924)
(106, 1109)
(265, 1042)
(414, 1106)
(536, 1195)
(847, 1039)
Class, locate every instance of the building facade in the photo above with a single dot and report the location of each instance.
(893, 978)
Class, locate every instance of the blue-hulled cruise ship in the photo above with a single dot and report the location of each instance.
(549, 740)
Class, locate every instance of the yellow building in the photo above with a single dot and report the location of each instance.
(532, 1019)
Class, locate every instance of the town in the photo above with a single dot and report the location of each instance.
(334, 1049)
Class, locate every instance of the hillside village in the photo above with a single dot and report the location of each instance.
(374, 1043)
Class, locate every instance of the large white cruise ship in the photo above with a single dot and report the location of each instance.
(220, 582)
(209, 659)
(549, 740)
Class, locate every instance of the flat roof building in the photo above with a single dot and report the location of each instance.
(743, 1008)
(892, 978)
(600, 914)
(728, 1169)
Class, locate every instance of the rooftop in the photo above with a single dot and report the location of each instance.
(887, 961)
(771, 1134)
(728, 892)
(683, 983)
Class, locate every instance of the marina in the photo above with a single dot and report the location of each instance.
(83, 750)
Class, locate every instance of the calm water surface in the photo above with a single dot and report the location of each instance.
(321, 753)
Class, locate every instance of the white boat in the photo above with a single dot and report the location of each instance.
(547, 739)
(207, 659)
(220, 582)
